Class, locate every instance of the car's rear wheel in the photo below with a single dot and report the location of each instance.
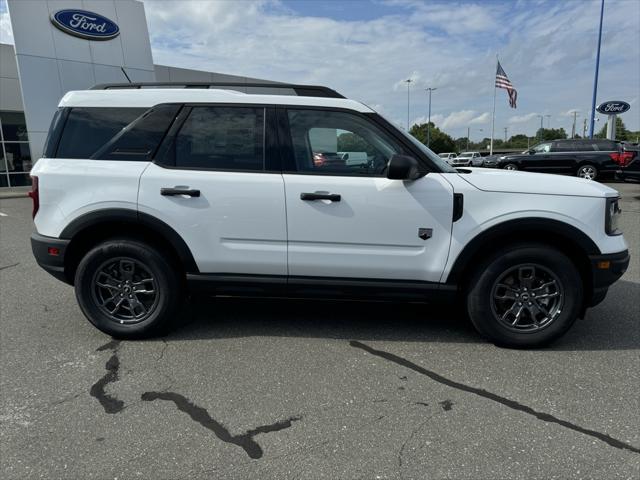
(587, 171)
(128, 289)
(511, 166)
(526, 296)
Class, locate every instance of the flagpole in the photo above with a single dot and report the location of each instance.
(493, 117)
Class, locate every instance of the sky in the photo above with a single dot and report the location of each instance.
(367, 49)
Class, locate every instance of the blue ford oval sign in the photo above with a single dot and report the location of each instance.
(613, 108)
(83, 24)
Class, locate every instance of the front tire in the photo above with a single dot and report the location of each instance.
(526, 296)
(587, 171)
(510, 166)
(128, 289)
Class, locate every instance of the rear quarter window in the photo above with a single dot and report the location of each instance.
(88, 129)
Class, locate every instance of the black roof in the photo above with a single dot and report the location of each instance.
(300, 90)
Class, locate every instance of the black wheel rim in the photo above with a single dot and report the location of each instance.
(125, 290)
(527, 298)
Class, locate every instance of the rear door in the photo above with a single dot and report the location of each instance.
(231, 213)
(348, 220)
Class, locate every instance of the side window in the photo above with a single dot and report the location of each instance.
(542, 148)
(140, 139)
(339, 143)
(224, 138)
(565, 147)
(88, 129)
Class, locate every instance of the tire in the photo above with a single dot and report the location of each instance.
(587, 171)
(510, 166)
(497, 291)
(137, 276)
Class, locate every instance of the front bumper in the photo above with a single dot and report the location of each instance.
(605, 270)
(49, 253)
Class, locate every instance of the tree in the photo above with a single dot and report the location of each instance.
(621, 131)
(519, 140)
(440, 141)
(546, 134)
(350, 142)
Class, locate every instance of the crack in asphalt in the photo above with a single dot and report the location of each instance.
(545, 417)
(9, 266)
(201, 416)
(110, 403)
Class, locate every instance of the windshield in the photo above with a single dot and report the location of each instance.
(466, 154)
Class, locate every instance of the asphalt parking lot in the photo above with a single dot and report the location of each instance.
(301, 389)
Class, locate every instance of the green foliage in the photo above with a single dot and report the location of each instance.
(546, 134)
(440, 141)
(621, 132)
(350, 142)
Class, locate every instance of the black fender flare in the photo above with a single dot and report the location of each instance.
(124, 215)
(555, 229)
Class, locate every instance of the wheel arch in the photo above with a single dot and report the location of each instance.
(87, 230)
(568, 239)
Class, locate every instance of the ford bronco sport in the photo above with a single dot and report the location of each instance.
(145, 195)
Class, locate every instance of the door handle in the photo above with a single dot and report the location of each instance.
(169, 192)
(334, 197)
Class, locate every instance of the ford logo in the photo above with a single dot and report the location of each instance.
(83, 24)
(613, 108)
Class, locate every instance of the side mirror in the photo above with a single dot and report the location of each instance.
(403, 167)
(531, 152)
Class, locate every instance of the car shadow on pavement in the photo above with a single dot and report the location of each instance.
(612, 325)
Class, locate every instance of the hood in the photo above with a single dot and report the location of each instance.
(509, 181)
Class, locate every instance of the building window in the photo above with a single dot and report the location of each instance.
(15, 156)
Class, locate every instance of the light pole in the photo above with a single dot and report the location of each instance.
(548, 121)
(469, 134)
(541, 126)
(573, 128)
(505, 134)
(408, 82)
(429, 89)
(595, 80)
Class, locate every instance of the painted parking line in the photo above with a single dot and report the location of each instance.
(3, 214)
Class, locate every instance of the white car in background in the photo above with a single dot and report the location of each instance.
(468, 159)
(448, 156)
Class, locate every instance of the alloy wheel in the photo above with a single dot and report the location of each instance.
(125, 290)
(587, 172)
(527, 298)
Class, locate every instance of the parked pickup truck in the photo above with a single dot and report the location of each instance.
(586, 158)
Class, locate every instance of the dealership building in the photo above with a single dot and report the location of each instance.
(63, 45)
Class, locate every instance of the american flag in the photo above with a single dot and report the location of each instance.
(502, 81)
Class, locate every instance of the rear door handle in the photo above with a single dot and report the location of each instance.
(334, 197)
(169, 192)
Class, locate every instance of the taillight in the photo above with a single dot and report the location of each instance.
(622, 158)
(35, 196)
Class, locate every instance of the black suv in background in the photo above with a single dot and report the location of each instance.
(585, 158)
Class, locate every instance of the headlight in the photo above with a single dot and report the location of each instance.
(612, 218)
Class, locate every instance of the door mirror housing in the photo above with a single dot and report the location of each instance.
(403, 167)
(531, 152)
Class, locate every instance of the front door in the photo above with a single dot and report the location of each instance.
(345, 219)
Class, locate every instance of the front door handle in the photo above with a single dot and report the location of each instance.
(170, 191)
(334, 197)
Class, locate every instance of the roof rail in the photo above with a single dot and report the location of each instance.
(301, 90)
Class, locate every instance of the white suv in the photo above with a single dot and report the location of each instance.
(145, 195)
(468, 159)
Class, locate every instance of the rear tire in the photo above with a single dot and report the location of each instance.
(587, 171)
(128, 289)
(525, 296)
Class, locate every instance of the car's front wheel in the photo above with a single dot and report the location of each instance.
(510, 166)
(526, 296)
(128, 289)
